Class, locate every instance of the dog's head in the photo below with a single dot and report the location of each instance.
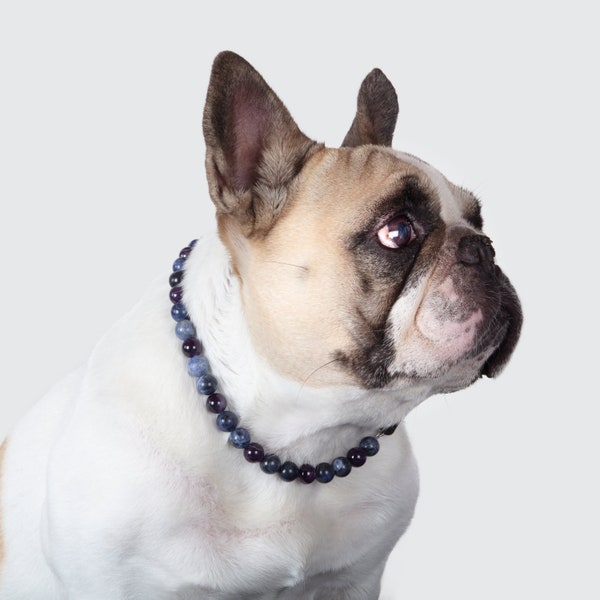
(357, 265)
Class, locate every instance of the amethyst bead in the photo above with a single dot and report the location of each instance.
(191, 347)
(270, 464)
(216, 403)
(185, 252)
(227, 421)
(289, 471)
(206, 384)
(325, 472)
(357, 457)
(254, 452)
(176, 294)
(308, 473)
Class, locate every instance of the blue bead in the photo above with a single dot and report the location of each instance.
(179, 264)
(289, 471)
(227, 421)
(370, 445)
(198, 366)
(270, 464)
(185, 329)
(239, 438)
(192, 243)
(179, 311)
(206, 384)
(341, 466)
(325, 472)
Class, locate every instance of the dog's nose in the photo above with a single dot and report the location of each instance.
(475, 250)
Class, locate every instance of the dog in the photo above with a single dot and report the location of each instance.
(239, 434)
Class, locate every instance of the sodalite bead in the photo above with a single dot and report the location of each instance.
(176, 278)
(325, 472)
(370, 445)
(179, 311)
(185, 329)
(341, 466)
(227, 421)
(239, 438)
(289, 471)
(198, 366)
(206, 384)
(270, 464)
(179, 264)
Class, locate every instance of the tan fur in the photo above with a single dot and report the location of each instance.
(2, 452)
(334, 199)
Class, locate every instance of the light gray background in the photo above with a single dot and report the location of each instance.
(102, 181)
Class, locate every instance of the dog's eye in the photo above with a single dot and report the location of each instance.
(397, 233)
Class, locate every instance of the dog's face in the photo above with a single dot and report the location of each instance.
(358, 265)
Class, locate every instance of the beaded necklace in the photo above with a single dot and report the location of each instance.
(227, 421)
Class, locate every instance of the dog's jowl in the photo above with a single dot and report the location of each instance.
(239, 434)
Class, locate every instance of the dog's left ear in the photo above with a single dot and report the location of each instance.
(254, 149)
(376, 112)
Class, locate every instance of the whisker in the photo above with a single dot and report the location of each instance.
(286, 264)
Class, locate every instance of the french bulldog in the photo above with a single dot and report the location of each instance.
(232, 437)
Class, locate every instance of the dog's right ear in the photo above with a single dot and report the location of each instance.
(254, 149)
(376, 112)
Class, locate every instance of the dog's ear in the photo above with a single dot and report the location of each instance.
(254, 149)
(376, 112)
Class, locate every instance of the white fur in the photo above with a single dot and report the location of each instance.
(119, 486)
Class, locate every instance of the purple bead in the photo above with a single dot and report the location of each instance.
(390, 429)
(206, 384)
(227, 421)
(254, 452)
(308, 473)
(270, 464)
(185, 252)
(191, 347)
(289, 471)
(357, 457)
(341, 466)
(370, 445)
(325, 472)
(176, 294)
(179, 311)
(239, 438)
(216, 403)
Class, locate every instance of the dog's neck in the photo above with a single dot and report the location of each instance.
(297, 419)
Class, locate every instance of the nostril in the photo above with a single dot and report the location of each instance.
(475, 249)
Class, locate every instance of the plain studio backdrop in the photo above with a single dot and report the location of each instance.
(102, 181)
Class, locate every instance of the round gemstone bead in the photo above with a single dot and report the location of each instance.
(185, 329)
(191, 347)
(270, 464)
(341, 466)
(227, 421)
(254, 452)
(206, 384)
(370, 445)
(179, 264)
(176, 294)
(308, 473)
(179, 311)
(390, 429)
(192, 243)
(325, 472)
(289, 471)
(176, 278)
(239, 438)
(197, 366)
(357, 457)
(216, 403)
(185, 252)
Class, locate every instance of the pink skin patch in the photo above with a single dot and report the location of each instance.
(446, 320)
